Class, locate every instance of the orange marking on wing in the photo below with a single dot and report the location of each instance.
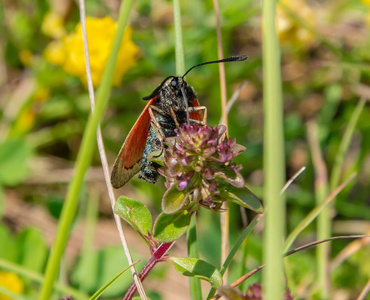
(195, 115)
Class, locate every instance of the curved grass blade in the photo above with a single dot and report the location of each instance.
(109, 283)
(313, 214)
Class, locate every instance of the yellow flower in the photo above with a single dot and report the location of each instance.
(55, 53)
(100, 33)
(288, 29)
(12, 282)
(52, 25)
(366, 2)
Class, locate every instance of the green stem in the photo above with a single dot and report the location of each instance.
(83, 160)
(180, 61)
(274, 161)
(323, 232)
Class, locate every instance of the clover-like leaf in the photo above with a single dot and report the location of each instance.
(173, 199)
(243, 197)
(14, 155)
(135, 213)
(194, 267)
(168, 228)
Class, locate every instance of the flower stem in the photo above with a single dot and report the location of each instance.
(156, 257)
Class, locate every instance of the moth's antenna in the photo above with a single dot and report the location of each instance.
(231, 58)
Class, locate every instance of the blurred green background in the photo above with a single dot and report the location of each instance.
(44, 108)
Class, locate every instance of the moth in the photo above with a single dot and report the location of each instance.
(169, 106)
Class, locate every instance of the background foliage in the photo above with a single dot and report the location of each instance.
(326, 70)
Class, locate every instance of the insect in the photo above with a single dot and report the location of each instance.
(170, 105)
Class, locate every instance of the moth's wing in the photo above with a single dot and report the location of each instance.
(127, 163)
(195, 115)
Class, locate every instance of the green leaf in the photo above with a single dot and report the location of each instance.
(173, 200)
(243, 197)
(194, 267)
(169, 228)
(135, 213)
(8, 246)
(100, 291)
(13, 157)
(32, 249)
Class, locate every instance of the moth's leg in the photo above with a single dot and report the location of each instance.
(155, 124)
(173, 115)
(199, 108)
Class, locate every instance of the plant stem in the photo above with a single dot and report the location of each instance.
(323, 220)
(180, 61)
(274, 161)
(156, 257)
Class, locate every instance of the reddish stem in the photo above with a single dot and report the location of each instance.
(156, 257)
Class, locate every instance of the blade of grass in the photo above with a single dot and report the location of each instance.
(100, 291)
(324, 241)
(290, 181)
(323, 220)
(344, 144)
(274, 162)
(83, 160)
(313, 214)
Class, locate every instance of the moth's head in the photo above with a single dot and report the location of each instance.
(178, 84)
(172, 83)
